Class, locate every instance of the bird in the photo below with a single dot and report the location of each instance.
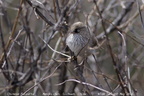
(78, 38)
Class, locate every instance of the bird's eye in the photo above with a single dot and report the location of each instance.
(76, 30)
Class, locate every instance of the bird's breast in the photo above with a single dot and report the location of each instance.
(76, 42)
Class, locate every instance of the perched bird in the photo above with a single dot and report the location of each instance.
(78, 38)
(78, 41)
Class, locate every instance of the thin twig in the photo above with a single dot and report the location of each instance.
(88, 84)
(12, 33)
(54, 50)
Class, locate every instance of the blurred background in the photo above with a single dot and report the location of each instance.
(32, 41)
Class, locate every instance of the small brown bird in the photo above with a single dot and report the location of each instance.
(78, 38)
